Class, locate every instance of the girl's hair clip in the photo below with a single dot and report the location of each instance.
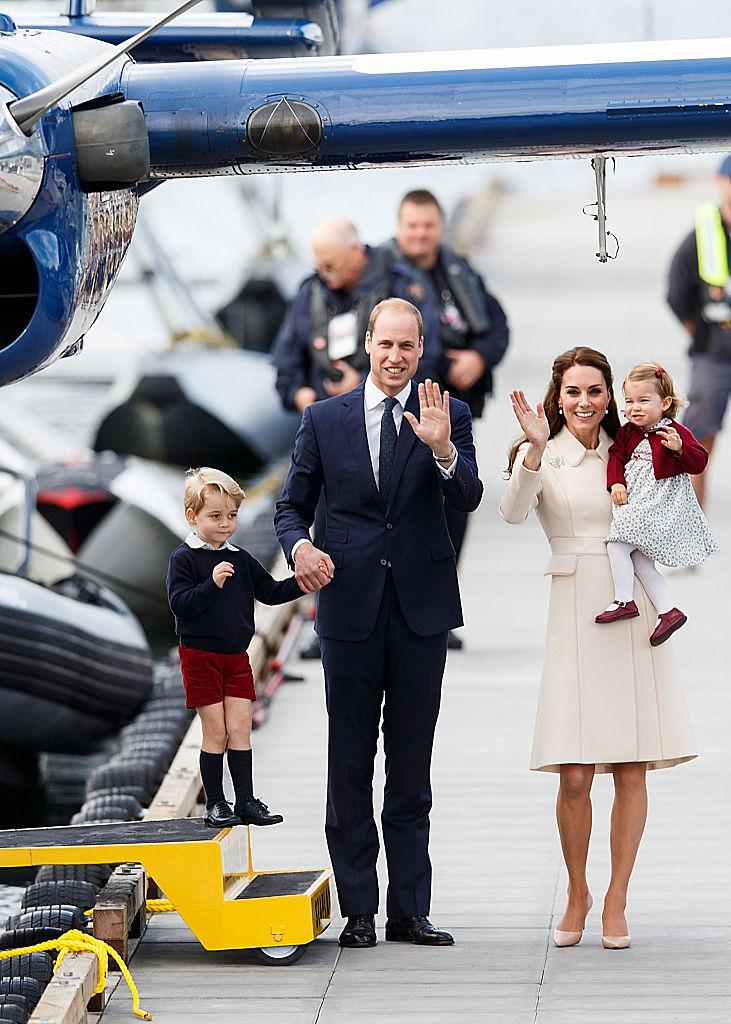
(659, 371)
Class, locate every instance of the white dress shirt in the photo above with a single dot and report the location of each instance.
(194, 541)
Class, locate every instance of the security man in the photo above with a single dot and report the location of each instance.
(473, 329)
(699, 294)
(320, 348)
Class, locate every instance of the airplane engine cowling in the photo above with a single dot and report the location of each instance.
(61, 242)
(55, 276)
(58, 265)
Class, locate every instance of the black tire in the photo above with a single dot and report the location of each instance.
(97, 874)
(147, 752)
(163, 738)
(175, 717)
(139, 793)
(108, 812)
(10, 1014)
(28, 965)
(279, 956)
(60, 893)
(15, 1000)
(30, 988)
(165, 701)
(129, 803)
(162, 741)
(19, 938)
(55, 916)
(123, 775)
(142, 770)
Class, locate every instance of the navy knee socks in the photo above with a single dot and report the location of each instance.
(240, 766)
(212, 776)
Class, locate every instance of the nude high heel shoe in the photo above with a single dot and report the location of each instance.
(570, 938)
(616, 941)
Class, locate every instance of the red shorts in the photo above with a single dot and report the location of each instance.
(208, 677)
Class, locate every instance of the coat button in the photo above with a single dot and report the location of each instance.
(389, 526)
(384, 562)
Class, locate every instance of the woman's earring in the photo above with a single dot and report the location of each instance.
(560, 410)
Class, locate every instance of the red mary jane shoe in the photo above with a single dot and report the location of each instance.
(623, 610)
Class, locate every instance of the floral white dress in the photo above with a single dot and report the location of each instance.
(661, 517)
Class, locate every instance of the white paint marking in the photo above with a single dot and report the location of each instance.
(542, 56)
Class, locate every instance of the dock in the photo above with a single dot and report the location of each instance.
(499, 883)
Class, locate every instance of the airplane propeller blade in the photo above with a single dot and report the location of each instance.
(29, 109)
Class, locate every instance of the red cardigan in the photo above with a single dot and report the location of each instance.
(666, 463)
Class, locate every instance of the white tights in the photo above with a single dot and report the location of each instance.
(626, 562)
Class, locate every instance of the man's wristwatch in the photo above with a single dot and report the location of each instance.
(445, 460)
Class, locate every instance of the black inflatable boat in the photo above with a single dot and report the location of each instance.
(75, 665)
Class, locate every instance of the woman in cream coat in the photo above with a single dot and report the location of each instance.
(609, 702)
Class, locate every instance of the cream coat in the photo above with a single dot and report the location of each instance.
(606, 695)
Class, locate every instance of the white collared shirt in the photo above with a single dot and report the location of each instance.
(194, 541)
(373, 399)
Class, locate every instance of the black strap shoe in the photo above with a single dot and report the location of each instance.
(254, 812)
(418, 930)
(220, 815)
(359, 932)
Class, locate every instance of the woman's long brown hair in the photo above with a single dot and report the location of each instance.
(579, 356)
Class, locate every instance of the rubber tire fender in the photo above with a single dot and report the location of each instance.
(62, 892)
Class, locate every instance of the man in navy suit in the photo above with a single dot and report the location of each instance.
(390, 597)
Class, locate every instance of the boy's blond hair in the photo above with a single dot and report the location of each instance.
(198, 481)
(658, 376)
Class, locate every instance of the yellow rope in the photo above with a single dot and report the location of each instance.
(154, 907)
(160, 906)
(79, 942)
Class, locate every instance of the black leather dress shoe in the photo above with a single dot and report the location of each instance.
(359, 932)
(454, 642)
(220, 815)
(418, 930)
(312, 651)
(254, 812)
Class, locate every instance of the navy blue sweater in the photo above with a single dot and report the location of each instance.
(220, 619)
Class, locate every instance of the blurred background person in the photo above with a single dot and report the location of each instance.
(699, 294)
(473, 329)
(320, 350)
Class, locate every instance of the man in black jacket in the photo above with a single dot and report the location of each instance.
(319, 351)
(473, 328)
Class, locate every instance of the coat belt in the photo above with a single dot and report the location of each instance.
(578, 545)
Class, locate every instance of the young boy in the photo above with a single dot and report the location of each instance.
(211, 589)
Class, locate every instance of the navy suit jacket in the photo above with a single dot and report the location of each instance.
(365, 536)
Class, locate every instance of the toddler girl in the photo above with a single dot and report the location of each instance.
(655, 514)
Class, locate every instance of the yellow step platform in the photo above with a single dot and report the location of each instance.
(208, 876)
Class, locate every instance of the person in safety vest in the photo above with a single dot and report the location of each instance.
(319, 350)
(473, 328)
(699, 294)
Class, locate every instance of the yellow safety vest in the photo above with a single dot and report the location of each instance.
(710, 237)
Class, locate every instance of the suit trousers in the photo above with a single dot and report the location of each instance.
(401, 673)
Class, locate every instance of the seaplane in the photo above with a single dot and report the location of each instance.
(96, 110)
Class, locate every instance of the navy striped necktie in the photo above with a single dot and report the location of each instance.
(387, 446)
